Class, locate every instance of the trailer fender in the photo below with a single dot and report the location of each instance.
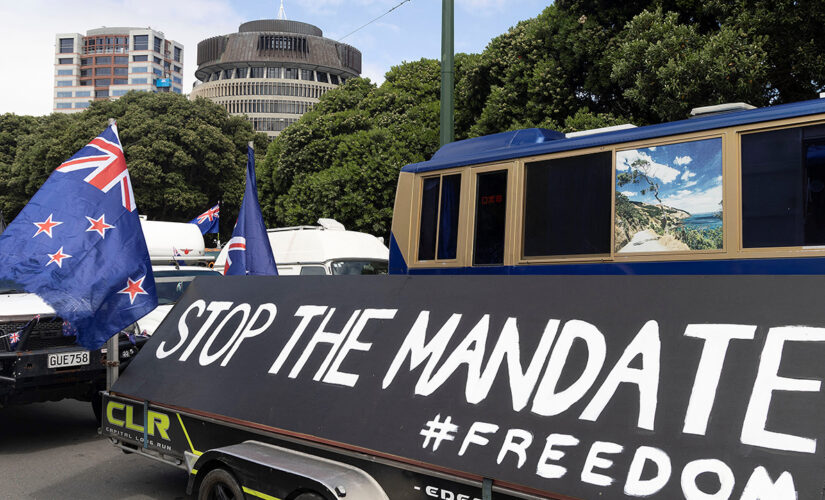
(268, 471)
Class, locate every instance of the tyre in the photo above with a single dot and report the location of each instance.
(97, 407)
(309, 496)
(219, 484)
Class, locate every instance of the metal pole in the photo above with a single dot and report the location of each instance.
(112, 346)
(447, 72)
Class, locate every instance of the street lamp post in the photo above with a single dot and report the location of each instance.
(447, 72)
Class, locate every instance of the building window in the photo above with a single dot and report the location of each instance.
(177, 79)
(118, 93)
(122, 60)
(157, 60)
(333, 79)
(157, 71)
(103, 71)
(567, 207)
(176, 90)
(141, 58)
(139, 69)
(178, 52)
(84, 83)
(273, 72)
(81, 105)
(83, 93)
(307, 75)
(66, 45)
(158, 44)
(64, 72)
(103, 60)
(121, 71)
(241, 72)
(64, 94)
(120, 81)
(291, 73)
(65, 60)
(140, 42)
(176, 69)
(102, 82)
(64, 83)
(258, 72)
(86, 72)
(139, 81)
(322, 77)
(64, 105)
(85, 61)
(102, 93)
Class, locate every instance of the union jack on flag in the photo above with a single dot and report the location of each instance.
(208, 221)
(14, 338)
(105, 157)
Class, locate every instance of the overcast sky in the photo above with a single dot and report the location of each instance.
(410, 32)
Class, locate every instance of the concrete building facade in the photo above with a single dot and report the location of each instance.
(105, 63)
(272, 71)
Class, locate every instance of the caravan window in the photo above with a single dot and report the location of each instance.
(491, 207)
(438, 235)
(567, 206)
(783, 187)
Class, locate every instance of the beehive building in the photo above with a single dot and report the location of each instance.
(272, 71)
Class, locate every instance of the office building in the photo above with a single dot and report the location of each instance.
(272, 71)
(105, 63)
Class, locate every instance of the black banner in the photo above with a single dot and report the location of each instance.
(614, 386)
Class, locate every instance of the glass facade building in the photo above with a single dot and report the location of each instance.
(272, 71)
(106, 63)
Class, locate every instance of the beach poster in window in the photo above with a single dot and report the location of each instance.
(669, 198)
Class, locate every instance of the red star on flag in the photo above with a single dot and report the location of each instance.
(58, 257)
(98, 225)
(46, 226)
(133, 288)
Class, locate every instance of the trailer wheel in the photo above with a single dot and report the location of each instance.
(219, 484)
(309, 496)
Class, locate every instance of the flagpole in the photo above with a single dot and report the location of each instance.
(112, 346)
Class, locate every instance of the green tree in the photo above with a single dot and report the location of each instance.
(183, 156)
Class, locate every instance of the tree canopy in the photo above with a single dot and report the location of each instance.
(579, 64)
(183, 155)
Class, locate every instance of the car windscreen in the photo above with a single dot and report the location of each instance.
(359, 267)
(8, 286)
(170, 285)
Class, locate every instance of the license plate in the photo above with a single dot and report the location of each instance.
(64, 359)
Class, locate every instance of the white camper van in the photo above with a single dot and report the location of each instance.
(327, 248)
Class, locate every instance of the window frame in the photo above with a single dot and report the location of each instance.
(416, 215)
(509, 214)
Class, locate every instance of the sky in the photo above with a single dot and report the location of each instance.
(408, 33)
(689, 175)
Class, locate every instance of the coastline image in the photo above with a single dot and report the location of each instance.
(669, 198)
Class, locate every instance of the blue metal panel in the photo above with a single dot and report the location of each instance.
(397, 263)
(508, 145)
(800, 266)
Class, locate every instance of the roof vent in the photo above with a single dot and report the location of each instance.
(728, 107)
(331, 224)
(623, 126)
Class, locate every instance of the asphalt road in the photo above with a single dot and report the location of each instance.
(53, 450)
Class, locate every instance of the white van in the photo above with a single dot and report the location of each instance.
(324, 249)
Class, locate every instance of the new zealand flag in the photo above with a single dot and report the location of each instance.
(208, 221)
(250, 252)
(78, 244)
